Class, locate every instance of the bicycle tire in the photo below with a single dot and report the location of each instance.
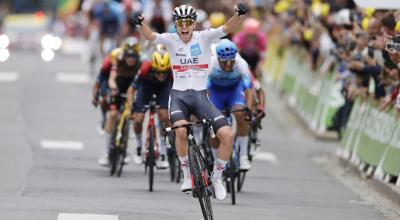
(113, 160)
(240, 180)
(151, 159)
(200, 178)
(123, 146)
(172, 164)
(178, 171)
(232, 173)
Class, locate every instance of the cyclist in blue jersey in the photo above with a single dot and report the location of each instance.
(230, 87)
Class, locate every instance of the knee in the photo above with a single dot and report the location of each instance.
(138, 120)
(181, 133)
(225, 134)
(113, 115)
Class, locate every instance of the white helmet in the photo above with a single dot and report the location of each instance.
(184, 11)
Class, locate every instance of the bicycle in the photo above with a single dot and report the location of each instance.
(173, 160)
(120, 140)
(232, 170)
(201, 181)
(152, 148)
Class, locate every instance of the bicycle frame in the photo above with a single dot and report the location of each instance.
(152, 126)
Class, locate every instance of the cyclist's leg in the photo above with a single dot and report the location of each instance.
(220, 99)
(238, 101)
(225, 135)
(162, 93)
(179, 115)
(109, 128)
(142, 98)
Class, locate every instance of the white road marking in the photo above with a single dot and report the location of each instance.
(70, 216)
(8, 76)
(266, 156)
(79, 78)
(61, 145)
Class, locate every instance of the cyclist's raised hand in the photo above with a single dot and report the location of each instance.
(240, 9)
(137, 18)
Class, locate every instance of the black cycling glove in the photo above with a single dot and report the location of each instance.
(241, 9)
(137, 18)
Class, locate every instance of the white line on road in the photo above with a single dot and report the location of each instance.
(266, 156)
(8, 76)
(80, 78)
(68, 216)
(61, 145)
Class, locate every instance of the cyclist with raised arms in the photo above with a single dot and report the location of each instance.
(190, 58)
(229, 86)
(154, 77)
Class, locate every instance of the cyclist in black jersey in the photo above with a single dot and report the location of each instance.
(125, 65)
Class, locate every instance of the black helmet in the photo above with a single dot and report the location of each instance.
(184, 11)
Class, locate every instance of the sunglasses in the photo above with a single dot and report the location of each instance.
(227, 63)
(187, 22)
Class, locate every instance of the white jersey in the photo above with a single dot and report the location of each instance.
(190, 62)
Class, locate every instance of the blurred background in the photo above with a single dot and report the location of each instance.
(330, 70)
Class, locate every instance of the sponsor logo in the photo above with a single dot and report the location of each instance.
(175, 112)
(194, 60)
(180, 68)
(195, 50)
(219, 117)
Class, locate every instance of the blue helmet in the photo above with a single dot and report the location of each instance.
(226, 50)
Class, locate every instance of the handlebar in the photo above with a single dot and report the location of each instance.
(205, 121)
(228, 111)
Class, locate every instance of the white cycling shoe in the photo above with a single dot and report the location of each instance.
(162, 162)
(127, 158)
(244, 162)
(103, 160)
(138, 159)
(219, 188)
(186, 185)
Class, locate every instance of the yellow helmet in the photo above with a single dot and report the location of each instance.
(131, 46)
(217, 19)
(160, 60)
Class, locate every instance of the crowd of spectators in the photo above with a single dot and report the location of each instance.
(359, 45)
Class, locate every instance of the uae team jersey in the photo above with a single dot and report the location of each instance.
(190, 61)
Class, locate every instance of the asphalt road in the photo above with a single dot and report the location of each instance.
(39, 104)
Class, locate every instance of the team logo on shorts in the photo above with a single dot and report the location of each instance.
(195, 50)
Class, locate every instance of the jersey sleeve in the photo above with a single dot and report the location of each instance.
(244, 71)
(211, 34)
(141, 75)
(164, 38)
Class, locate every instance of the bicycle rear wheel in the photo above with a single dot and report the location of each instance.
(240, 180)
(200, 178)
(232, 171)
(123, 146)
(172, 164)
(151, 159)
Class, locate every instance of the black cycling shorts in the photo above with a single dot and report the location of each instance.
(145, 92)
(184, 103)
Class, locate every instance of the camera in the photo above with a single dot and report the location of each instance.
(394, 45)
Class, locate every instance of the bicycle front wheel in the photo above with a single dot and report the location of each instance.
(200, 178)
(151, 159)
(232, 172)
